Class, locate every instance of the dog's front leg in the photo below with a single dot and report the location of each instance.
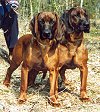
(81, 61)
(83, 75)
(24, 83)
(56, 86)
(53, 88)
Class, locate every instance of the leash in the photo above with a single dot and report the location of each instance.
(5, 31)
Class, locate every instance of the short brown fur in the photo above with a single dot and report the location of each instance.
(37, 53)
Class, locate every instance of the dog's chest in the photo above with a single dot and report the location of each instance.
(37, 59)
(66, 55)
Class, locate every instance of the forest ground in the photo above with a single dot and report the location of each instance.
(37, 95)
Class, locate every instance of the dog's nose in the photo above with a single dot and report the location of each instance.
(86, 23)
(46, 33)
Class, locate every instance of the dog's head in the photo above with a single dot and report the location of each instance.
(45, 25)
(76, 19)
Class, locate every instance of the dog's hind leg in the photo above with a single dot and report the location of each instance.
(44, 75)
(63, 77)
(14, 63)
(10, 70)
(32, 76)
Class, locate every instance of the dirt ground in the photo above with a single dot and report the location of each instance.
(37, 96)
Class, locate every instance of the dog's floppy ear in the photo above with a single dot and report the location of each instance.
(31, 26)
(66, 19)
(34, 25)
(58, 28)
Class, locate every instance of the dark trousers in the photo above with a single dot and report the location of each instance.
(11, 31)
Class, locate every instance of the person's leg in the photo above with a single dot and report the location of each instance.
(14, 33)
(11, 36)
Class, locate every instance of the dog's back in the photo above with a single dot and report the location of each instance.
(20, 47)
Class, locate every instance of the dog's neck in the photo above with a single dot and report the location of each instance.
(45, 43)
(74, 39)
(42, 44)
(72, 42)
(47, 50)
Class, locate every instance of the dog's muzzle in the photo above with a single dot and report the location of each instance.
(47, 34)
(84, 26)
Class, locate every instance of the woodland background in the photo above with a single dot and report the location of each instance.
(28, 8)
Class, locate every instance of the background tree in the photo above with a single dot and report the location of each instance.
(30, 7)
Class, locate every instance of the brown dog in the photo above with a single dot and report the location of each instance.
(72, 52)
(39, 52)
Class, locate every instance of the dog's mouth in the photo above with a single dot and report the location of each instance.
(85, 29)
(46, 34)
(84, 26)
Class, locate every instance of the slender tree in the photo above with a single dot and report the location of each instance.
(81, 4)
(31, 8)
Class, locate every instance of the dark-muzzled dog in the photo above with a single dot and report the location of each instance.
(72, 52)
(40, 53)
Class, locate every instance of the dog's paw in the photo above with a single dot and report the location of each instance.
(85, 99)
(22, 98)
(21, 101)
(6, 83)
(54, 104)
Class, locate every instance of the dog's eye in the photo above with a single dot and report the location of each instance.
(74, 15)
(41, 21)
(52, 21)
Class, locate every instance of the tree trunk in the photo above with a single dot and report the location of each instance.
(31, 9)
(81, 4)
